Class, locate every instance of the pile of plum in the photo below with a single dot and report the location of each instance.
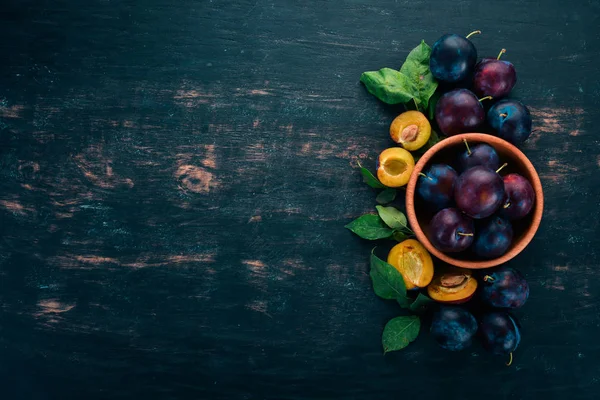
(454, 327)
(453, 62)
(474, 210)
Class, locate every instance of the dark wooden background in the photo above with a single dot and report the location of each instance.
(175, 177)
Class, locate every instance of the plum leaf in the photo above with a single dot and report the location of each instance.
(399, 332)
(386, 196)
(421, 304)
(416, 68)
(370, 227)
(370, 179)
(393, 218)
(388, 85)
(387, 281)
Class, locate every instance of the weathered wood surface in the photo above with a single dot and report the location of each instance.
(175, 177)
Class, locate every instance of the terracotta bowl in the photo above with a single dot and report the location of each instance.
(446, 151)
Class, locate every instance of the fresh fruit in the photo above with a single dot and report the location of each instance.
(494, 77)
(479, 192)
(436, 185)
(505, 288)
(453, 328)
(451, 231)
(510, 120)
(411, 130)
(493, 238)
(452, 286)
(500, 333)
(413, 262)
(519, 197)
(479, 154)
(453, 58)
(394, 167)
(459, 111)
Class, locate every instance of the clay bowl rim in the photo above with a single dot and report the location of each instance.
(497, 143)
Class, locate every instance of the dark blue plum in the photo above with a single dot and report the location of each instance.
(519, 197)
(479, 154)
(510, 120)
(453, 58)
(500, 332)
(459, 111)
(436, 185)
(479, 192)
(505, 288)
(451, 231)
(493, 238)
(453, 328)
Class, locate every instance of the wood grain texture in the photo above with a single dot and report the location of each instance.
(175, 177)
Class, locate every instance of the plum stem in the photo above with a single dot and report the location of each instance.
(473, 33)
(509, 363)
(486, 98)
(488, 278)
(465, 234)
(500, 54)
(506, 205)
(504, 115)
(500, 169)
(425, 176)
(467, 144)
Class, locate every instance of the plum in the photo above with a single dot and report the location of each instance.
(451, 231)
(394, 167)
(494, 238)
(505, 288)
(510, 120)
(479, 192)
(453, 328)
(411, 130)
(519, 197)
(436, 185)
(453, 58)
(459, 111)
(494, 77)
(479, 154)
(413, 262)
(500, 333)
(452, 285)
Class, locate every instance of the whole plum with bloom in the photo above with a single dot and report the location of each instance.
(453, 328)
(435, 185)
(459, 111)
(500, 332)
(494, 77)
(493, 238)
(510, 120)
(451, 231)
(505, 288)
(479, 154)
(519, 197)
(453, 58)
(479, 192)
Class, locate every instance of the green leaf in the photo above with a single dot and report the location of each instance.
(370, 179)
(399, 332)
(387, 281)
(432, 103)
(392, 217)
(421, 304)
(386, 196)
(416, 68)
(370, 226)
(388, 85)
(404, 302)
(400, 236)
